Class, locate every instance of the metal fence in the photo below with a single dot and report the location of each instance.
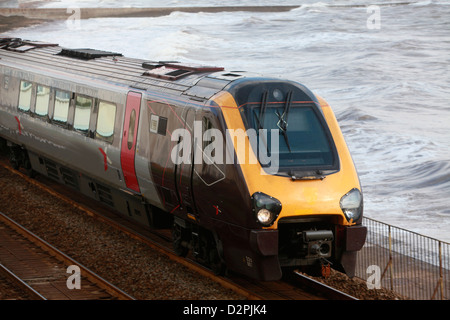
(415, 266)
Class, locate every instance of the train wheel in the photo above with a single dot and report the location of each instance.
(178, 241)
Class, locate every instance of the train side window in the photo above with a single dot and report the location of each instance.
(42, 100)
(82, 117)
(61, 110)
(26, 89)
(105, 121)
(131, 129)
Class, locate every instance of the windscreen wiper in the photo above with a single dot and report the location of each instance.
(263, 109)
(283, 119)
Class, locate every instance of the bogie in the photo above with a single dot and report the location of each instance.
(201, 242)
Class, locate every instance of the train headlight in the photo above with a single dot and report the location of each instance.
(352, 205)
(264, 216)
(266, 208)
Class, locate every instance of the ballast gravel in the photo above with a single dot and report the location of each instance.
(125, 262)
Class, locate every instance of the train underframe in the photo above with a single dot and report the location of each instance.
(309, 244)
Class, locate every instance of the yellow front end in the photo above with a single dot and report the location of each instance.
(301, 197)
(305, 200)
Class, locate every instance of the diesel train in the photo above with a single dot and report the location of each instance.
(251, 173)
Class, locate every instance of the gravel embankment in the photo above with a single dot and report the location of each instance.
(128, 264)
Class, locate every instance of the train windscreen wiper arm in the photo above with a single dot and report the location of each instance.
(263, 109)
(283, 119)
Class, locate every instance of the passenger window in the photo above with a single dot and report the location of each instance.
(105, 121)
(131, 129)
(82, 113)
(42, 100)
(62, 102)
(25, 95)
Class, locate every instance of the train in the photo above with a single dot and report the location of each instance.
(251, 173)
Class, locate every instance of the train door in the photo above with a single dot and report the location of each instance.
(209, 167)
(183, 171)
(129, 138)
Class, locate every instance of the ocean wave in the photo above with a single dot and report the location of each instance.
(354, 114)
(388, 87)
(429, 174)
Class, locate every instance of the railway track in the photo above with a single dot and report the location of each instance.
(41, 270)
(28, 290)
(294, 287)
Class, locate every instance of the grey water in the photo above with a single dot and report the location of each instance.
(383, 66)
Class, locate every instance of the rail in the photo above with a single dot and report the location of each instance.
(412, 265)
(329, 292)
(22, 284)
(112, 290)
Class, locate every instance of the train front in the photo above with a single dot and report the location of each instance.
(301, 179)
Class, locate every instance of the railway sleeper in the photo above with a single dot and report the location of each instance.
(203, 244)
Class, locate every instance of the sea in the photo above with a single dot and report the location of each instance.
(383, 66)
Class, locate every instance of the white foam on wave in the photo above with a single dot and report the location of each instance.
(388, 89)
